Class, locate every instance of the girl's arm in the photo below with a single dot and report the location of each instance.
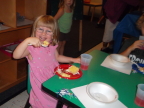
(64, 59)
(136, 44)
(21, 50)
(59, 13)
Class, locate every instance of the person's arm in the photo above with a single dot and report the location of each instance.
(126, 52)
(64, 59)
(136, 44)
(21, 50)
(59, 13)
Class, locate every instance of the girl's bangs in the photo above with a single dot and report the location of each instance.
(45, 24)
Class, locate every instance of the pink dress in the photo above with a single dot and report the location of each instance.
(41, 69)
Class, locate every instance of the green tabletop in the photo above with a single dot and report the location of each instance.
(124, 84)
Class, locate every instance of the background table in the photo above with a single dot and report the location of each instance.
(124, 84)
(94, 5)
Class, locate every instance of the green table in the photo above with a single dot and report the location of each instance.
(124, 84)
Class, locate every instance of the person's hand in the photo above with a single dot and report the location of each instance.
(137, 44)
(34, 41)
(76, 60)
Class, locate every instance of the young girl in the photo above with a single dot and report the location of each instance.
(64, 17)
(42, 60)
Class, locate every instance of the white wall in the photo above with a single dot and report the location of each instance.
(97, 9)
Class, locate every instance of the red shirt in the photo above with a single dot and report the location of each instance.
(115, 8)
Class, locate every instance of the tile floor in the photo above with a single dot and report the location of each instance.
(17, 102)
(20, 100)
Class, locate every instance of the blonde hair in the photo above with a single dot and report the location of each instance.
(49, 22)
(61, 4)
(140, 22)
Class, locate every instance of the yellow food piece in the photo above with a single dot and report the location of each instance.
(73, 69)
(141, 69)
(45, 43)
(65, 75)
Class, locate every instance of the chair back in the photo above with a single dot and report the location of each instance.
(28, 81)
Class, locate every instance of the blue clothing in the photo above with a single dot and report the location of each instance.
(128, 26)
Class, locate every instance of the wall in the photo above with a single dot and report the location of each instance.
(97, 9)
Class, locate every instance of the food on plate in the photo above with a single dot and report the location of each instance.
(62, 74)
(45, 43)
(73, 69)
(59, 70)
(65, 75)
(68, 71)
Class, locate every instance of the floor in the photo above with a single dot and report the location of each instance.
(20, 100)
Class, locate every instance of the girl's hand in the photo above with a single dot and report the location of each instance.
(34, 41)
(76, 60)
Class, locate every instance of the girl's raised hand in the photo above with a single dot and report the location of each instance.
(34, 41)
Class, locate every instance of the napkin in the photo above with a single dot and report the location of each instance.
(124, 69)
(82, 95)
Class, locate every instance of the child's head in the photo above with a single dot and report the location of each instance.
(70, 3)
(140, 22)
(46, 23)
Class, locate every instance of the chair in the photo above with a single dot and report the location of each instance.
(28, 88)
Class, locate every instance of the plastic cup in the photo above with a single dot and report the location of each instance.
(139, 99)
(141, 38)
(85, 61)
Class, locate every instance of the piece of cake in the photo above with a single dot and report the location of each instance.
(73, 69)
(65, 75)
(45, 44)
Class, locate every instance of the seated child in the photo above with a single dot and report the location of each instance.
(134, 47)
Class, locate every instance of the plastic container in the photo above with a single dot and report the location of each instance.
(85, 61)
(139, 99)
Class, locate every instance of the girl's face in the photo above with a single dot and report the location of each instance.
(68, 2)
(44, 34)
